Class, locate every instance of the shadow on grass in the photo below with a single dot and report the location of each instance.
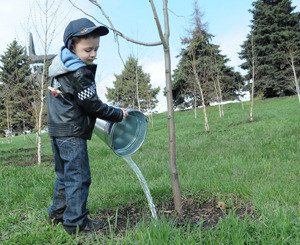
(242, 123)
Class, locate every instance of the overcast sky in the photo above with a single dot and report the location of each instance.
(227, 20)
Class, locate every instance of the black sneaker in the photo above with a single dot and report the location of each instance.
(91, 226)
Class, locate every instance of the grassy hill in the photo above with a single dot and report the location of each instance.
(249, 166)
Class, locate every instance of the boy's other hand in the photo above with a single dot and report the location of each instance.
(125, 114)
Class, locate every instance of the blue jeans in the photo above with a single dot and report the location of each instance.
(72, 183)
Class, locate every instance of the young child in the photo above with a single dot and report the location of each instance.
(73, 106)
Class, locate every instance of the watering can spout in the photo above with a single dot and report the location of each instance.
(125, 137)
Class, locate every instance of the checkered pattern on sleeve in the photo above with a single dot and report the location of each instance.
(87, 92)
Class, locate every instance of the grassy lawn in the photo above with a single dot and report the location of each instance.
(255, 162)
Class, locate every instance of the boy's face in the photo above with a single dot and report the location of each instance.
(86, 49)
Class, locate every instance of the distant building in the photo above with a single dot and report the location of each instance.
(36, 59)
(244, 95)
(162, 105)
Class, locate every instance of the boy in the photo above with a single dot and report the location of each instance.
(73, 106)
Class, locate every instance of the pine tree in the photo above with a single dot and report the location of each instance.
(132, 88)
(210, 64)
(15, 88)
(274, 28)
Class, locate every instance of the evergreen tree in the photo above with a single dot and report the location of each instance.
(275, 28)
(132, 88)
(210, 63)
(15, 88)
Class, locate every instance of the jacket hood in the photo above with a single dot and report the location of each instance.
(64, 63)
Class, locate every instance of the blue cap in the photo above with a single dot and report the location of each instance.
(81, 27)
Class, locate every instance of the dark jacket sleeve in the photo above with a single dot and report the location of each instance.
(87, 98)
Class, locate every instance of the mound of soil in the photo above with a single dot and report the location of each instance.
(204, 214)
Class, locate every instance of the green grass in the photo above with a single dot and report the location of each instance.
(258, 162)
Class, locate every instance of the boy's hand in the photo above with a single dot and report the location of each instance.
(125, 114)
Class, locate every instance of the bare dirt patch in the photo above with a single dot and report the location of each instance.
(196, 213)
(23, 157)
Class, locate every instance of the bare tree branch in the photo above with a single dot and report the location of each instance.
(180, 16)
(158, 25)
(95, 2)
(118, 33)
(119, 51)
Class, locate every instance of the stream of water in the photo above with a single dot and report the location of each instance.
(143, 183)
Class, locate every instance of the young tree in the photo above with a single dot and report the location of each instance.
(217, 87)
(253, 68)
(15, 88)
(132, 88)
(291, 50)
(164, 41)
(293, 66)
(45, 30)
(2, 110)
(241, 86)
(205, 74)
(272, 19)
(250, 52)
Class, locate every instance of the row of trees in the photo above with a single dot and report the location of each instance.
(271, 48)
(271, 57)
(271, 54)
(202, 75)
(274, 42)
(19, 90)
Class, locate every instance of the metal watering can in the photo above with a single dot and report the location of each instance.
(125, 137)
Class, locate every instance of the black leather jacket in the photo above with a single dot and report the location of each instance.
(73, 104)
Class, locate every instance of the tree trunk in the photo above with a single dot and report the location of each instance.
(218, 98)
(253, 79)
(8, 121)
(195, 105)
(239, 96)
(39, 129)
(137, 87)
(24, 130)
(220, 95)
(150, 111)
(201, 93)
(42, 97)
(171, 123)
(295, 76)
(219, 91)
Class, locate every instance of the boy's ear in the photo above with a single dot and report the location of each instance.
(69, 44)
